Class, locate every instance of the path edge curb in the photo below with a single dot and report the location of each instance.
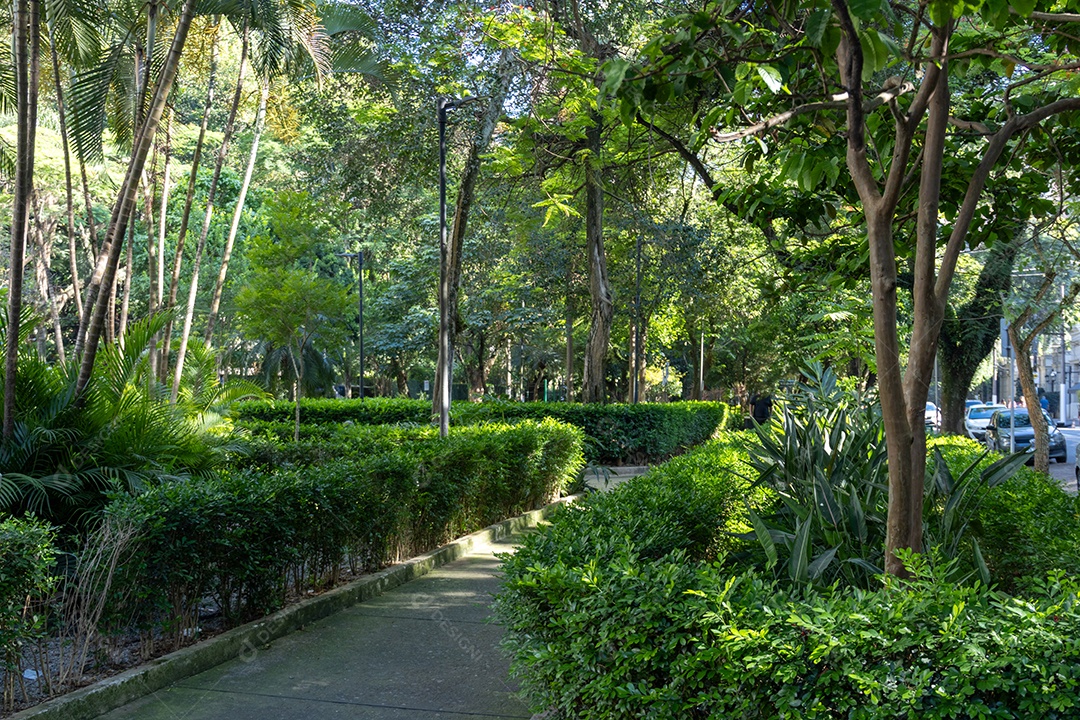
(245, 641)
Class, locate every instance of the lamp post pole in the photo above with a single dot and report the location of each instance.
(445, 369)
(359, 255)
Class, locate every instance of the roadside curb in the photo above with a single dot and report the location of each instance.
(244, 642)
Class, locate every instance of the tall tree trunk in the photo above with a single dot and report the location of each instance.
(1022, 346)
(125, 204)
(215, 302)
(599, 284)
(193, 290)
(163, 213)
(157, 253)
(970, 332)
(189, 201)
(27, 19)
(504, 75)
(69, 193)
(568, 328)
(1026, 376)
(125, 299)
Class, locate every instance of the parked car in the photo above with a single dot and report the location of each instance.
(977, 418)
(1018, 422)
(933, 417)
(968, 404)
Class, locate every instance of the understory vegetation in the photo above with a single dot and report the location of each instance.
(155, 566)
(744, 580)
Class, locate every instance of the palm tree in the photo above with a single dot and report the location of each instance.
(26, 38)
(125, 203)
(351, 34)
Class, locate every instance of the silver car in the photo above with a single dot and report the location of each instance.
(977, 418)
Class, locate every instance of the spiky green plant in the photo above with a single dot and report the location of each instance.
(69, 453)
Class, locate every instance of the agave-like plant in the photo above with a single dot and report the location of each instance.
(824, 456)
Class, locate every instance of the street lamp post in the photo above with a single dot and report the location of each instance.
(359, 255)
(445, 369)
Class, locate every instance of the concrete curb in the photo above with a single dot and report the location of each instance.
(243, 642)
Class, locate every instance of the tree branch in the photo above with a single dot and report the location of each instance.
(978, 180)
(839, 100)
(1051, 17)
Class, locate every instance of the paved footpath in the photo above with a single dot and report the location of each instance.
(426, 650)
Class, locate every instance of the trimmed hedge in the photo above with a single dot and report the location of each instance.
(249, 537)
(617, 434)
(627, 606)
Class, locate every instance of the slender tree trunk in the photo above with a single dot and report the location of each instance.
(163, 213)
(189, 201)
(215, 303)
(568, 324)
(166, 187)
(43, 268)
(128, 271)
(1026, 376)
(599, 284)
(158, 354)
(466, 194)
(70, 206)
(26, 19)
(193, 290)
(125, 203)
(297, 360)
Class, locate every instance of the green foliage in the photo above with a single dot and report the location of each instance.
(627, 606)
(27, 554)
(617, 434)
(669, 638)
(824, 456)
(248, 537)
(1026, 526)
(67, 452)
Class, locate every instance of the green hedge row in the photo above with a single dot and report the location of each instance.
(247, 538)
(617, 434)
(636, 604)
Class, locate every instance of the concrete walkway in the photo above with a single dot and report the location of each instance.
(426, 650)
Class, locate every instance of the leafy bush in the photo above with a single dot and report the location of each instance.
(27, 554)
(676, 639)
(640, 603)
(824, 455)
(1026, 526)
(247, 538)
(68, 453)
(617, 434)
(317, 411)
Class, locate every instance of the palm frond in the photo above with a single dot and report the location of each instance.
(73, 26)
(89, 98)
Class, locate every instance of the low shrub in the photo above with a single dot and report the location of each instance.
(641, 603)
(1026, 527)
(617, 434)
(27, 576)
(249, 537)
(317, 411)
(675, 639)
